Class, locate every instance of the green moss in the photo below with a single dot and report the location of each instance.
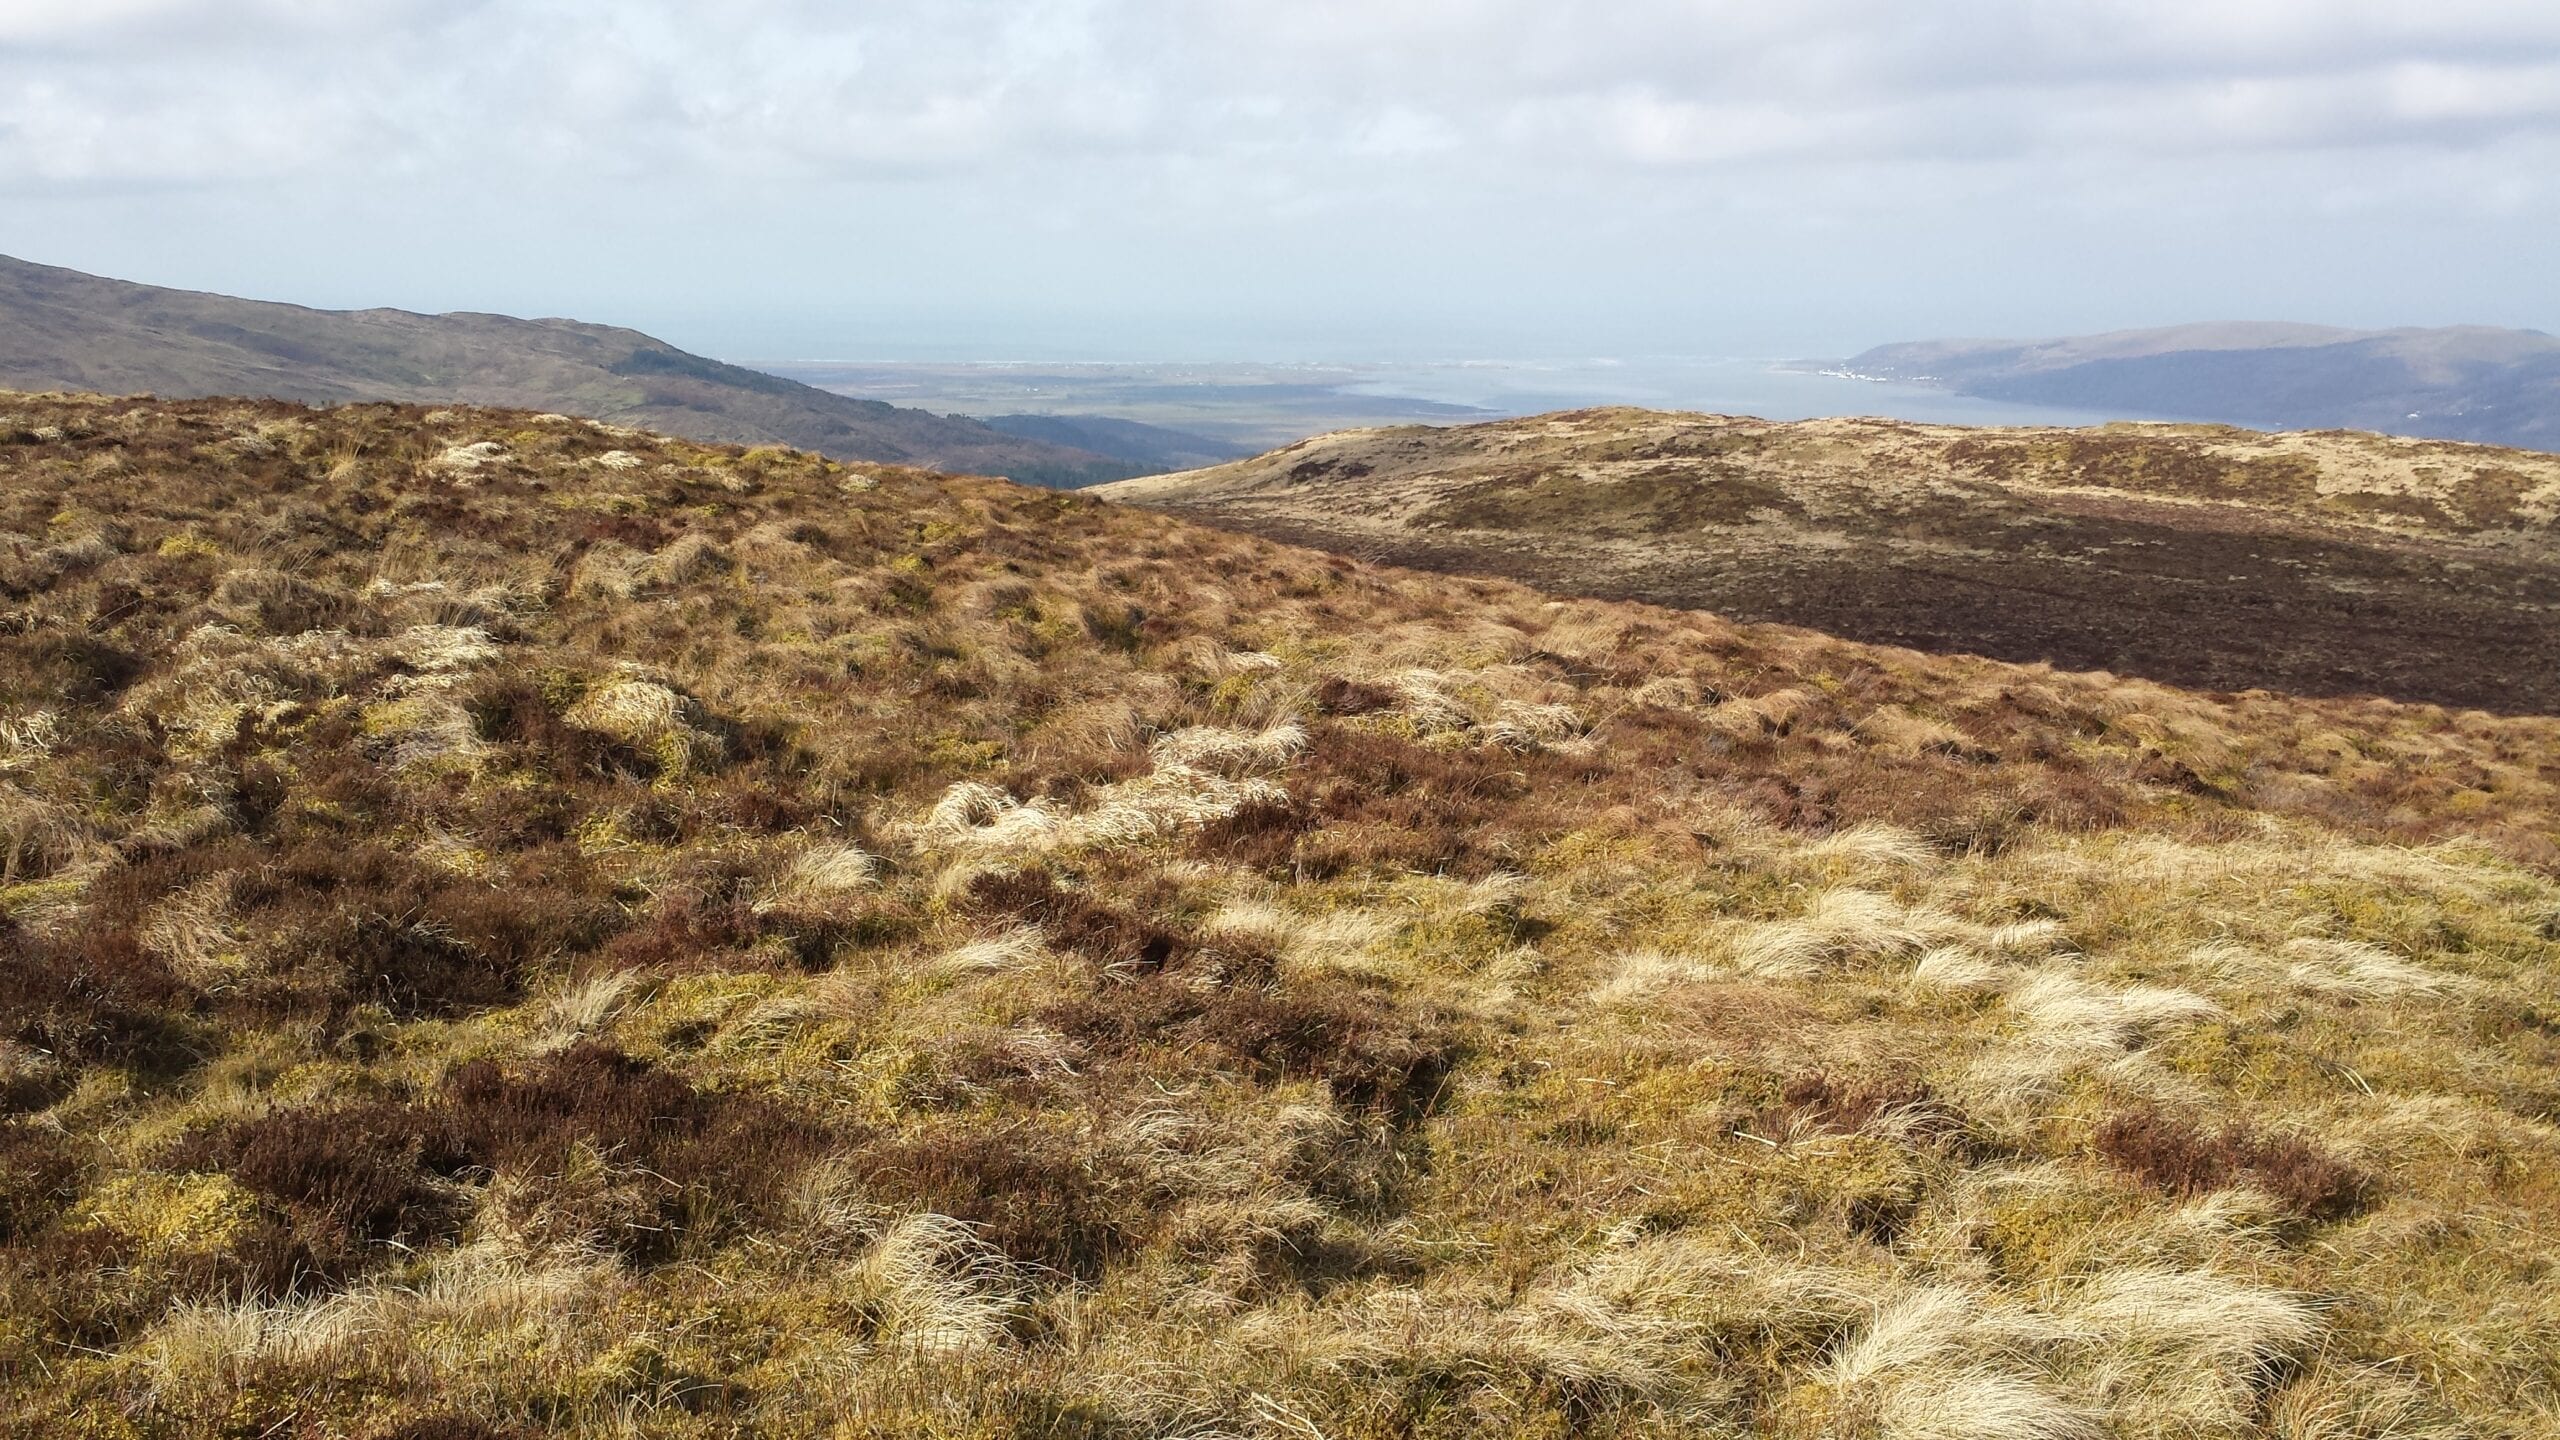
(183, 1213)
(38, 895)
(951, 754)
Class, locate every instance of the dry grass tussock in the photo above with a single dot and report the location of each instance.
(516, 928)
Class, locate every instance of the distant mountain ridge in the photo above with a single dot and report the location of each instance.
(2467, 382)
(64, 330)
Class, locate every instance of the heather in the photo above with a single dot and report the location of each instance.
(516, 927)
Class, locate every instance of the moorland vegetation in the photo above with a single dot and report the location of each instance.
(2324, 563)
(519, 927)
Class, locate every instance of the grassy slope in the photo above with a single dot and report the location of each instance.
(60, 329)
(514, 928)
(2326, 563)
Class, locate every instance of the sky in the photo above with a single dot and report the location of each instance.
(1303, 179)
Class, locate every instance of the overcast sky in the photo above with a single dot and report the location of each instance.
(1303, 178)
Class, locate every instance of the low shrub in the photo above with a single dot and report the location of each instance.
(352, 1180)
(711, 1159)
(1337, 695)
(39, 1171)
(355, 1180)
(1367, 1054)
(2171, 1154)
(89, 996)
(1373, 802)
(1031, 1193)
(1075, 922)
(709, 924)
(1843, 1104)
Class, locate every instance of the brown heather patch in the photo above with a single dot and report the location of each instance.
(2181, 1157)
(1338, 695)
(361, 1182)
(351, 1182)
(710, 1160)
(447, 1427)
(1115, 940)
(1368, 1056)
(730, 943)
(1034, 1194)
(1171, 1002)
(89, 998)
(39, 1171)
(1905, 1102)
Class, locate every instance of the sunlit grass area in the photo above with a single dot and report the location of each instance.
(514, 927)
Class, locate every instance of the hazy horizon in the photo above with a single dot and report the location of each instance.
(1218, 401)
(950, 337)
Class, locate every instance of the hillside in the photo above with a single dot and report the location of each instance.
(1149, 448)
(62, 330)
(2321, 563)
(2474, 383)
(517, 928)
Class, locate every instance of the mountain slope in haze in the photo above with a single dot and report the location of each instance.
(515, 928)
(63, 330)
(2476, 383)
(2218, 558)
(1152, 447)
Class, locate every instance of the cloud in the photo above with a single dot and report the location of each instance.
(107, 29)
(186, 90)
(1113, 151)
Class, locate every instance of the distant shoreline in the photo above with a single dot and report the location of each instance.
(1275, 403)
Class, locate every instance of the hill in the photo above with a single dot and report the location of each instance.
(1150, 448)
(2476, 383)
(516, 928)
(2206, 557)
(62, 330)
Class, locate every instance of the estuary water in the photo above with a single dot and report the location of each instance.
(1260, 406)
(1774, 390)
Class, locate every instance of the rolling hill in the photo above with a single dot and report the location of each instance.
(63, 330)
(2202, 556)
(515, 927)
(2476, 383)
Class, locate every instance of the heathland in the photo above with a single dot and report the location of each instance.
(519, 927)
(2326, 563)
